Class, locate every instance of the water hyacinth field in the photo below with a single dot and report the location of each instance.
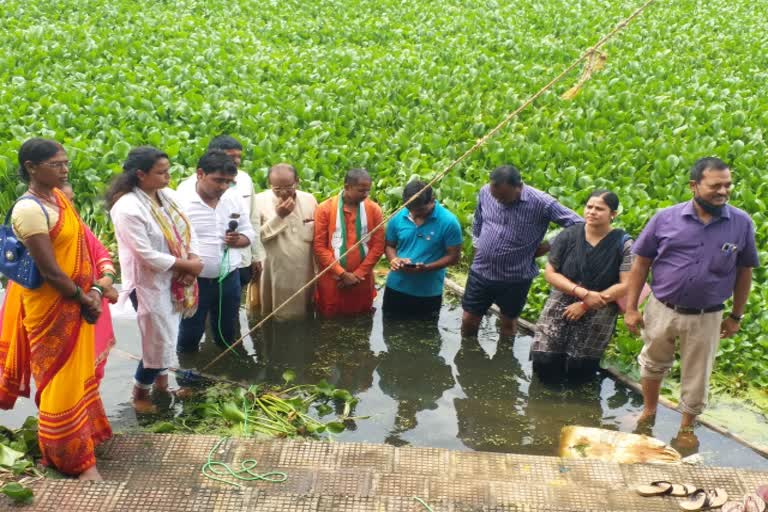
(403, 88)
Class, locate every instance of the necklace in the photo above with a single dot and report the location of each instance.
(49, 199)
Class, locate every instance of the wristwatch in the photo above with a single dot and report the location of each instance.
(736, 317)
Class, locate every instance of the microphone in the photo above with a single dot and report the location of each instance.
(232, 226)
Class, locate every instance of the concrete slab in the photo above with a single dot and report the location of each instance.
(162, 473)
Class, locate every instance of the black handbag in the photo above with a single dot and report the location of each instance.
(15, 261)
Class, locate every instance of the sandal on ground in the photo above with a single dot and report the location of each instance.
(750, 503)
(754, 503)
(664, 488)
(705, 500)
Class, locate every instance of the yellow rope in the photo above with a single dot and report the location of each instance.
(480, 142)
(596, 62)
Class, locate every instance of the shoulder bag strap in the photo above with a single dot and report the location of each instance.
(10, 211)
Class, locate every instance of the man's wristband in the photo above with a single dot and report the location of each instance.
(734, 316)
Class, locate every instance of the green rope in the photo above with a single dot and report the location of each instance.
(216, 470)
(245, 423)
(223, 267)
(423, 503)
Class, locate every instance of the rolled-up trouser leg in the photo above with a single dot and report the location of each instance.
(659, 334)
(699, 341)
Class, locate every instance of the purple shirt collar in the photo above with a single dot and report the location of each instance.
(690, 211)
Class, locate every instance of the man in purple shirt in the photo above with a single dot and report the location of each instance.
(701, 252)
(511, 220)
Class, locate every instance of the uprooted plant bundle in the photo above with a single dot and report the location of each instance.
(263, 411)
(18, 451)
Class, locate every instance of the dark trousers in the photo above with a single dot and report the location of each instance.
(480, 293)
(402, 305)
(222, 301)
(245, 275)
(145, 377)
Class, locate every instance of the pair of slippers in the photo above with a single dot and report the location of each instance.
(697, 499)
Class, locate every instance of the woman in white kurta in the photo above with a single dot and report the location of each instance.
(157, 248)
(286, 217)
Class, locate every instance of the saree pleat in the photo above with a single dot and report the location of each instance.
(44, 334)
(105, 335)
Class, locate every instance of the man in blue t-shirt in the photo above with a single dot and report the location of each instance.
(422, 240)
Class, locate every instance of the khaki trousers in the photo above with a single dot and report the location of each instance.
(699, 337)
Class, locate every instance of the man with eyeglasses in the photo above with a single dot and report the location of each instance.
(286, 217)
(701, 254)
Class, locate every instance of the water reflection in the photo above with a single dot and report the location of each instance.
(553, 404)
(279, 346)
(343, 353)
(338, 351)
(490, 416)
(423, 385)
(412, 372)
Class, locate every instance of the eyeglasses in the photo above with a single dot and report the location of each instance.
(284, 189)
(64, 164)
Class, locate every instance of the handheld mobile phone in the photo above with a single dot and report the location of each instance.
(410, 265)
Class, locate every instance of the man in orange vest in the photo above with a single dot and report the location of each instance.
(349, 287)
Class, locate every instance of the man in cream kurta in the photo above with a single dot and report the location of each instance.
(286, 217)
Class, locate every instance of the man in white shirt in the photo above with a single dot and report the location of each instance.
(253, 255)
(221, 225)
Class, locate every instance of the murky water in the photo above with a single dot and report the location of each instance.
(423, 386)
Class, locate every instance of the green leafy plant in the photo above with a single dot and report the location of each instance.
(17, 492)
(18, 450)
(265, 411)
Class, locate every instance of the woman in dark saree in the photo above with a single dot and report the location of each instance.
(588, 269)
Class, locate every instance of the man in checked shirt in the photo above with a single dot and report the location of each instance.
(511, 219)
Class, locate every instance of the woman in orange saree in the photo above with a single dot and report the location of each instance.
(44, 332)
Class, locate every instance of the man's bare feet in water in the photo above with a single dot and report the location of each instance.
(639, 422)
(647, 416)
(685, 442)
(142, 402)
(161, 386)
(645, 424)
(90, 474)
